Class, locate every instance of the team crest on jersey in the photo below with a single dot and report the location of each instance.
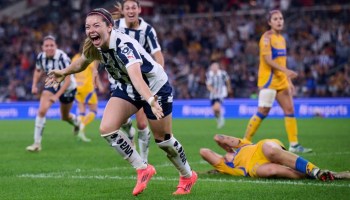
(128, 53)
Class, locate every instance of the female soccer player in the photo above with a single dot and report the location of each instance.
(141, 83)
(274, 81)
(219, 85)
(50, 59)
(265, 159)
(145, 34)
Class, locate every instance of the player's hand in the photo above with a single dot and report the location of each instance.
(117, 14)
(54, 78)
(291, 74)
(34, 90)
(156, 109)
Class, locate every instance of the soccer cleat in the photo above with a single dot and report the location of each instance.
(325, 175)
(81, 136)
(34, 147)
(186, 184)
(299, 149)
(143, 177)
(221, 123)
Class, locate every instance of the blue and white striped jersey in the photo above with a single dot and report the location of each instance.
(59, 61)
(144, 34)
(125, 51)
(218, 82)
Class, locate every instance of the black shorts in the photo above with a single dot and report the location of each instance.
(65, 98)
(165, 100)
(212, 101)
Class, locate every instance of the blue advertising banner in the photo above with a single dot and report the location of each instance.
(233, 108)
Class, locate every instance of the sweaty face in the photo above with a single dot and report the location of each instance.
(49, 47)
(131, 11)
(276, 22)
(97, 30)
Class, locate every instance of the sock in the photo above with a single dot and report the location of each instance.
(253, 125)
(39, 128)
(176, 154)
(144, 139)
(291, 129)
(127, 127)
(73, 120)
(89, 117)
(306, 167)
(124, 147)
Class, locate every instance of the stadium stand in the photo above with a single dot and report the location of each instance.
(192, 34)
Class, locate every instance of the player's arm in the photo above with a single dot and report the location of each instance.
(134, 71)
(274, 65)
(159, 58)
(36, 77)
(228, 85)
(97, 81)
(228, 143)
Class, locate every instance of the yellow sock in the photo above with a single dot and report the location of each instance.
(88, 118)
(291, 128)
(253, 125)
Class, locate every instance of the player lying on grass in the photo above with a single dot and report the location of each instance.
(265, 159)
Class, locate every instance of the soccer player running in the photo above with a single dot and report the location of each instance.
(49, 59)
(145, 34)
(141, 83)
(86, 96)
(219, 84)
(274, 81)
(265, 159)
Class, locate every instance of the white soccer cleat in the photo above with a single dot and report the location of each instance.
(299, 149)
(221, 122)
(81, 136)
(34, 147)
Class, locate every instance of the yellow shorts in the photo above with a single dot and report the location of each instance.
(258, 157)
(86, 97)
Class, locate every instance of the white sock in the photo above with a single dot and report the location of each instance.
(73, 119)
(176, 155)
(144, 139)
(38, 130)
(121, 143)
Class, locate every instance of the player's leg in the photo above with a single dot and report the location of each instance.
(216, 106)
(81, 133)
(144, 134)
(117, 111)
(272, 170)
(266, 99)
(66, 103)
(40, 120)
(285, 100)
(210, 156)
(275, 154)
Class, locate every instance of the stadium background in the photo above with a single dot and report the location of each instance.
(191, 34)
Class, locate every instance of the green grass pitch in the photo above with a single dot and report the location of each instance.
(70, 169)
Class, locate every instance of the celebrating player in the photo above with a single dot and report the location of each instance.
(141, 83)
(218, 84)
(274, 81)
(265, 159)
(50, 59)
(140, 30)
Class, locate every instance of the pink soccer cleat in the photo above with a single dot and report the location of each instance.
(143, 176)
(186, 184)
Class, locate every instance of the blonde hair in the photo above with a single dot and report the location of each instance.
(90, 51)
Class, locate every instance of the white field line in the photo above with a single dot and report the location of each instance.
(160, 178)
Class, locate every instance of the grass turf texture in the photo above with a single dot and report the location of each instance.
(70, 169)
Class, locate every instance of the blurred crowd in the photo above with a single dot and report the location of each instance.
(192, 35)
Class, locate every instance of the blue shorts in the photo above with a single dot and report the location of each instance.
(212, 101)
(65, 98)
(165, 100)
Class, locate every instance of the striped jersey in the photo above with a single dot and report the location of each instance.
(124, 51)
(59, 61)
(144, 34)
(218, 82)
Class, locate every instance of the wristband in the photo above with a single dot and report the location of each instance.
(150, 100)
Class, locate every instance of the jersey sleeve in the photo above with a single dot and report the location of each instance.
(152, 41)
(265, 44)
(38, 62)
(129, 54)
(64, 61)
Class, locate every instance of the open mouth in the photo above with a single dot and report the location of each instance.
(96, 40)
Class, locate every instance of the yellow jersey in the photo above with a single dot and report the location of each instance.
(274, 45)
(85, 78)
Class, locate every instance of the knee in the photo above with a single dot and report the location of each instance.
(106, 129)
(271, 151)
(141, 124)
(264, 110)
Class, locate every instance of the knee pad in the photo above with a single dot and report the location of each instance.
(267, 97)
